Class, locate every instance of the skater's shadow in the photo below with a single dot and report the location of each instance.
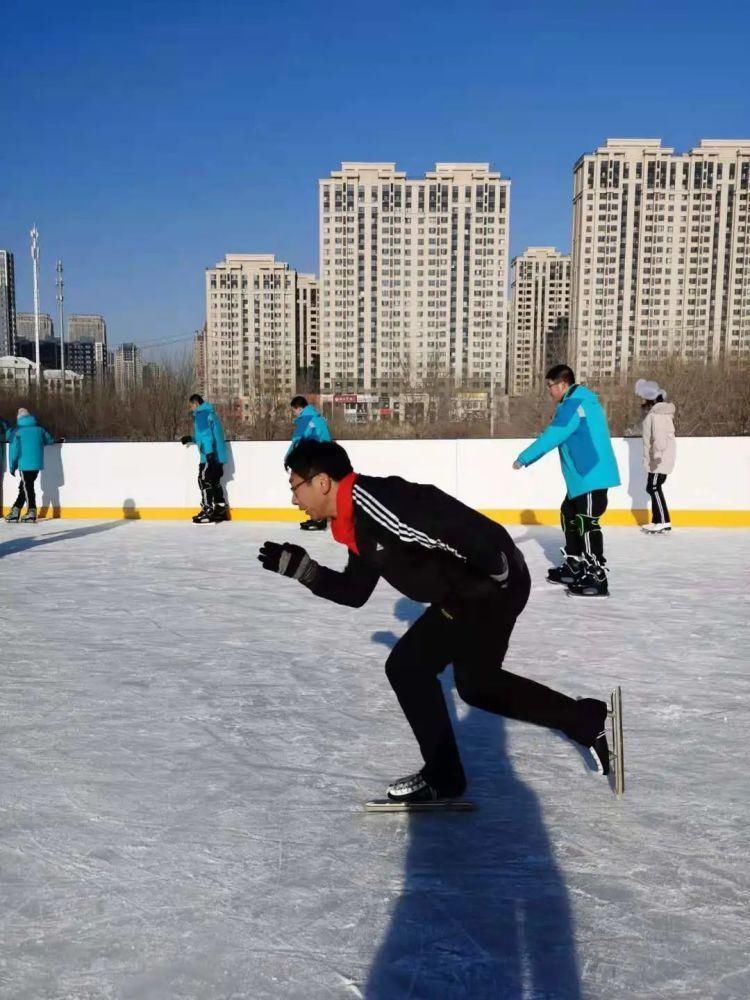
(9, 548)
(52, 478)
(550, 541)
(636, 485)
(484, 910)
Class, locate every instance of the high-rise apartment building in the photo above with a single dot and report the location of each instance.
(540, 306)
(87, 358)
(308, 325)
(199, 359)
(250, 347)
(128, 368)
(26, 330)
(87, 328)
(661, 254)
(413, 277)
(7, 304)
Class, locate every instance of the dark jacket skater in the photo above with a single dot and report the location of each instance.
(433, 549)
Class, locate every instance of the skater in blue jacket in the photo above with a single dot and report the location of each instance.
(580, 433)
(309, 425)
(26, 455)
(208, 434)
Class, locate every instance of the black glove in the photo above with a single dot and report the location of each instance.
(59, 440)
(289, 560)
(186, 439)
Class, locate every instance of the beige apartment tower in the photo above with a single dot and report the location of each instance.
(413, 282)
(250, 349)
(540, 308)
(308, 323)
(661, 255)
(86, 328)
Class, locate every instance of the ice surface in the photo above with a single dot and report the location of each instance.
(187, 741)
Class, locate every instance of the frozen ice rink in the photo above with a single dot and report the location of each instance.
(187, 741)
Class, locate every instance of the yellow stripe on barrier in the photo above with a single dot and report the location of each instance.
(551, 518)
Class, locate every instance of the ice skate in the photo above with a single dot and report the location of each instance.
(568, 572)
(414, 794)
(202, 517)
(30, 516)
(591, 583)
(218, 514)
(656, 529)
(13, 515)
(313, 525)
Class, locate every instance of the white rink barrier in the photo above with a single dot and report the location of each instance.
(709, 487)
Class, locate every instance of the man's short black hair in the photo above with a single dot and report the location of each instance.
(311, 457)
(298, 401)
(195, 398)
(561, 373)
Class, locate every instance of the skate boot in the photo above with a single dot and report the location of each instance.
(313, 525)
(202, 517)
(591, 731)
(414, 788)
(218, 513)
(30, 516)
(656, 529)
(592, 582)
(13, 515)
(569, 572)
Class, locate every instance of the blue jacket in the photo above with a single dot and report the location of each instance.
(579, 431)
(27, 443)
(208, 433)
(309, 425)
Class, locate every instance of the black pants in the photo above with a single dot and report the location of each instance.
(475, 642)
(580, 522)
(659, 509)
(209, 483)
(26, 491)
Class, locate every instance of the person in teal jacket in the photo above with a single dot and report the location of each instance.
(26, 455)
(208, 434)
(580, 433)
(309, 425)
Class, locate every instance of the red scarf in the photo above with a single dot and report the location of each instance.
(342, 525)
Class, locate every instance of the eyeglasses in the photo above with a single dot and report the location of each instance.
(550, 384)
(301, 483)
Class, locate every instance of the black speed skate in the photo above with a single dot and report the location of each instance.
(218, 514)
(202, 517)
(414, 794)
(591, 583)
(569, 572)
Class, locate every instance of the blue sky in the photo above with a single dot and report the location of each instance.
(147, 139)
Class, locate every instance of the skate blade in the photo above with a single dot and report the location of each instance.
(442, 805)
(574, 593)
(617, 753)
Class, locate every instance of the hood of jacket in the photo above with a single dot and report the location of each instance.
(204, 408)
(580, 392)
(27, 421)
(666, 408)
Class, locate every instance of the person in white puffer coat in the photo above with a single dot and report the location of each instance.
(659, 450)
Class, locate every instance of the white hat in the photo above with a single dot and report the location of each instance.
(22, 412)
(647, 389)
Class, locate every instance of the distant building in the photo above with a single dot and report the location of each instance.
(128, 368)
(16, 374)
(58, 382)
(88, 359)
(152, 372)
(7, 304)
(84, 327)
(25, 329)
(49, 351)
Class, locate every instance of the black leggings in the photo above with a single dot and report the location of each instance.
(580, 522)
(659, 509)
(26, 491)
(475, 641)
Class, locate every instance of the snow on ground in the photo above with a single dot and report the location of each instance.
(187, 741)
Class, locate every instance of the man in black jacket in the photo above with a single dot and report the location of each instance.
(433, 549)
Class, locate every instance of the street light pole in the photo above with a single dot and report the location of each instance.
(35, 270)
(61, 320)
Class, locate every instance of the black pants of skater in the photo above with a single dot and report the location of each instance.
(475, 642)
(659, 509)
(26, 491)
(209, 483)
(580, 522)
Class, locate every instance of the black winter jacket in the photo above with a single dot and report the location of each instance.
(425, 543)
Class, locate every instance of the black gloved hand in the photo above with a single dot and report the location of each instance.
(186, 439)
(288, 560)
